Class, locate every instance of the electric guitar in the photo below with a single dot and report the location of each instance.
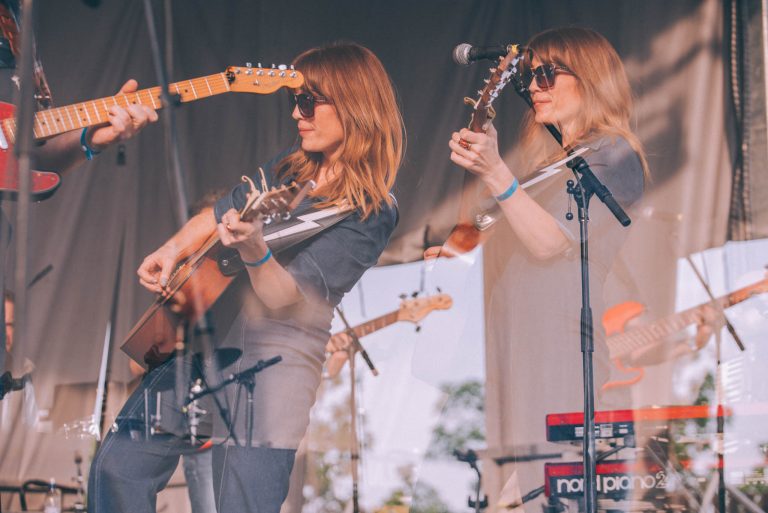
(198, 281)
(622, 343)
(410, 310)
(51, 122)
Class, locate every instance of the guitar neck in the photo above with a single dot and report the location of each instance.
(96, 112)
(376, 324)
(624, 343)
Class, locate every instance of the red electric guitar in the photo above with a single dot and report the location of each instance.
(51, 122)
(621, 342)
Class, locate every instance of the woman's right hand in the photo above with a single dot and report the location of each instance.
(155, 271)
(479, 153)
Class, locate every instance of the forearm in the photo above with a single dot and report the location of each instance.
(536, 228)
(193, 234)
(271, 282)
(60, 153)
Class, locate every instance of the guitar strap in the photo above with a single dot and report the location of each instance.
(281, 236)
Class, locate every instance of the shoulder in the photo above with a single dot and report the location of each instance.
(385, 218)
(618, 166)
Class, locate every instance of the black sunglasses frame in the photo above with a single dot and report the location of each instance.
(545, 75)
(306, 103)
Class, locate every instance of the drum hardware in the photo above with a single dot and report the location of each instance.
(80, 501)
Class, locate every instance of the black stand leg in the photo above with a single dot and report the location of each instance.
(582, 197)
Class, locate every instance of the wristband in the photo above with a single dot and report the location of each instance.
(89, 152)
(260, 262)
(509, 192)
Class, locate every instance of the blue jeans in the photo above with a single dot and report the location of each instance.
(132, 466)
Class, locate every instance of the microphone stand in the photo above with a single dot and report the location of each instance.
(246, 379)
(354, 450)
(586, 185)
(720, 417)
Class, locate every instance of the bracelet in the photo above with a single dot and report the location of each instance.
(89, 152)
(259, 262)
(509, 192)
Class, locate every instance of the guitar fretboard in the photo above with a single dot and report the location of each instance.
(376, 324)
(96, 112)
(622, 344)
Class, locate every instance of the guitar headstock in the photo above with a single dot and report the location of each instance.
(414, 310)
(247, 79)
(761, 287)
(500, 76)
(275, 203)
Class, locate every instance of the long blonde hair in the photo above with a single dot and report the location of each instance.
(606, 106)
(355, 82)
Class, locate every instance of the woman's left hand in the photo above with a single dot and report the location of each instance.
(246, 237)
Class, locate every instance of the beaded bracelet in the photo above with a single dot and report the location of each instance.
(509, 192)
(89, 152)
(260, 262)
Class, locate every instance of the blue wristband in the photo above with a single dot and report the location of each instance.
(89, 152)
(509, 192)
(259, 262)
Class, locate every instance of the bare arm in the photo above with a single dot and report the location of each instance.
(156, 268)
(536, 228)
(63, 152)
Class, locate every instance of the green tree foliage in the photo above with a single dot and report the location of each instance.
(462, 420)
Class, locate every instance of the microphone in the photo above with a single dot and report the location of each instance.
(466, 54)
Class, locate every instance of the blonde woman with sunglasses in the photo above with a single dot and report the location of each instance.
(577, 84)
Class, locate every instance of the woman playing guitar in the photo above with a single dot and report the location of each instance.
(350, 143)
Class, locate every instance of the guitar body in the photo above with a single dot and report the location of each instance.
(43, 183)
(200, 280)
(615, 320)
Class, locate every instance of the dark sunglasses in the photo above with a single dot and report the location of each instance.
(306, 103)
(545, 75)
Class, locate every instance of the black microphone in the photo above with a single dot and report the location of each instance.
(466, 54)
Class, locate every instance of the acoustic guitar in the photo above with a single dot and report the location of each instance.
(51, 122)
(198, 282)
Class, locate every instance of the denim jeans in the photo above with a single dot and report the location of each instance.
(133, 465)
(198, 472)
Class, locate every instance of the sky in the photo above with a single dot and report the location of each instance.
(401, 405)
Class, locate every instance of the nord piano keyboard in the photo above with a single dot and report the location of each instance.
(569, 427)
(616, 479)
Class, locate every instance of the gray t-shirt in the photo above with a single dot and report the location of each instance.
(325, 267)
(533, 308)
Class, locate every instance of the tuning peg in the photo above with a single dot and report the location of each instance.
(248, 64)
(273, 66)
(282, 67)
(415, 294)
(258, 65)
(439, 290)
(418, 328)
(403, 296)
